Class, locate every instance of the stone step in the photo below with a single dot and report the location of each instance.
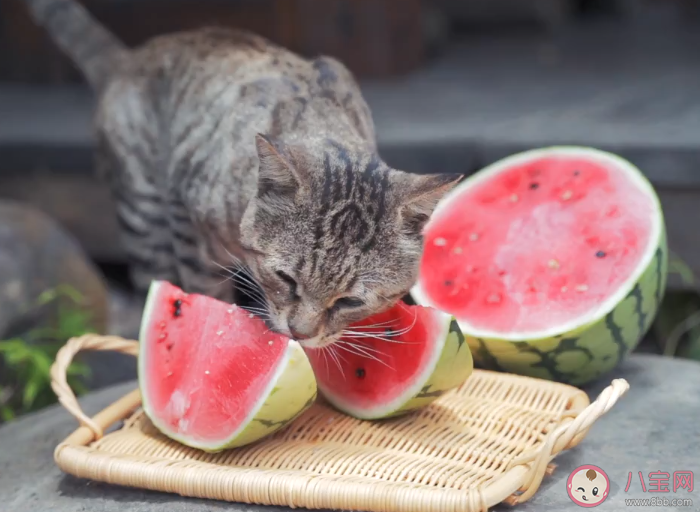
(630, 89)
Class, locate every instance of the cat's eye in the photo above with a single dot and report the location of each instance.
(289, 280)
(348, 303)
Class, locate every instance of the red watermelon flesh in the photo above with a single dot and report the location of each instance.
(205, 363)
(535, 245)
(379, 371)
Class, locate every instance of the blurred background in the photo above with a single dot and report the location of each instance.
(453, 85)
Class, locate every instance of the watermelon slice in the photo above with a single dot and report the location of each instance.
(553, 261)
(394, 362)
(212, 375)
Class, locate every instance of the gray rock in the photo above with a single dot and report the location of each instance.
(653, 428)
(38, 255)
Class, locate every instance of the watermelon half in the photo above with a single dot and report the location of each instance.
(213, 376)
(553, 261)
(399, 360)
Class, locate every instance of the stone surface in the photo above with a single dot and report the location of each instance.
(38, 255)
(653, 428)
(627, 87)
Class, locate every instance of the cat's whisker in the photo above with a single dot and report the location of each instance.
(225, 278)
(243, 276)
(241, 267)
(260, 315)
(251, 287)
(231, 255)
(399, 332)
(245, 271)
(334, 355)
(245, 279)
(234, 278)
(353, 349)
(325, 361)
(369, 334)
(355, 335)
(255, 309)
(226, 269)
(384, 335)
(340, 356)
(364, 347)
(380, 324)
(253, 294)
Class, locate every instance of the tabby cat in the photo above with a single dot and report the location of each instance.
(222, 149)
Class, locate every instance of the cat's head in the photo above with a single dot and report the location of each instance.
(333, 235)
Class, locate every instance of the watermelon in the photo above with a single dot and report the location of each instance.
(393, 362)
(553, 261)
(212, 375)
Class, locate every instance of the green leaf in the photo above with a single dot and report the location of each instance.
(41, 361)
(62, 290)
(12, 345)
(31, 390)
(27, 362)
(6, 413)
(17, 356)
(677, 325)
(677, 266)
(79, 370)
(78, 387)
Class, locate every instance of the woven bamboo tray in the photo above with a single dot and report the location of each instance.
(490, 441)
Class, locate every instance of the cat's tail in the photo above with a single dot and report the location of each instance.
(90, 45)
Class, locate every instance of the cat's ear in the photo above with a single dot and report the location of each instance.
(420, 196)
(276, 173)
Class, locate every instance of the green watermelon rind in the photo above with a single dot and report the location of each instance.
(289, 393)
(450, 365)
(582, 351)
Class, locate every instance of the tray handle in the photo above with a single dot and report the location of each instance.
(563, 437)
(65, 355)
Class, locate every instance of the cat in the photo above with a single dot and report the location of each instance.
(223, 149)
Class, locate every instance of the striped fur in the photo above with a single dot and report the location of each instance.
(219, 145)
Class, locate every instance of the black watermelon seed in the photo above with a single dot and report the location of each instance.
(534, 186)
(360, 372)
(600, 254)
(177, 305)
(576, 173)
(448, 283)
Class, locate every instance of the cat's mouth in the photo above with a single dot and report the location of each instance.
(319, 341)
(315, 342)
